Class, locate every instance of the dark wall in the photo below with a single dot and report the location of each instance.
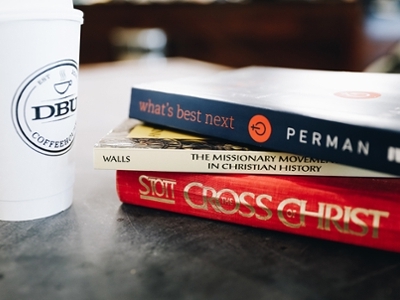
(322, 35)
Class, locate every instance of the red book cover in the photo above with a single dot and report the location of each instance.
(359, 211)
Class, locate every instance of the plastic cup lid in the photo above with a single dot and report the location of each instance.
(39, 9)
(23, 5)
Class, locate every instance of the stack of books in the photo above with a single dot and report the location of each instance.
(314, 153)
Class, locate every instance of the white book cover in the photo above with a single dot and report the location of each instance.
(134, 145)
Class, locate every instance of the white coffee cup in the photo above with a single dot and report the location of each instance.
(39, 57)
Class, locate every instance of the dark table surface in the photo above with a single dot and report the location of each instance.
(101, 249)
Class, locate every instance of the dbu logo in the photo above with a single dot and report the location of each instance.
(57, 110)
(394, 154)
(44, 108)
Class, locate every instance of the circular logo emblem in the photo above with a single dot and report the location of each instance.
(44, 108)
(259, 128)
(357, 94)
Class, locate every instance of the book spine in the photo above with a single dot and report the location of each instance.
(360, 211)
(354, 145)
(220, 161)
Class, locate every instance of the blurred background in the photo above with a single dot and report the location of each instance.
(318, 34)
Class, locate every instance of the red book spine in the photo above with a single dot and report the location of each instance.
(359, 211)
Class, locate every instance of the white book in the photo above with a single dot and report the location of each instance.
(137, 146)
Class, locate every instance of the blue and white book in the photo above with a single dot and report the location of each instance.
(350, 118)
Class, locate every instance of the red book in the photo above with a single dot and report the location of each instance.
(359, 211)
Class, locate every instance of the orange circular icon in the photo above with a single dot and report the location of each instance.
(357, 94)
(259, 128)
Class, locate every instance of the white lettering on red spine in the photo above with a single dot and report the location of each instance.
(348, 220)
(157, 189)
(291, 212)
(227, 201)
